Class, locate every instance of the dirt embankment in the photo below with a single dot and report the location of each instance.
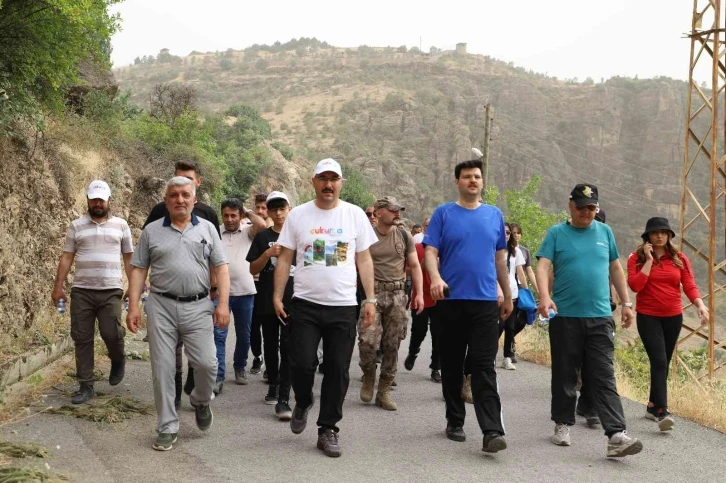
(42, 187)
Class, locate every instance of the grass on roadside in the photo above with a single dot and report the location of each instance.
(704, 405)
(22, 450)
(32, 475)
(105, 409)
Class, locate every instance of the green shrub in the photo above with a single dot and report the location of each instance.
(286, 151)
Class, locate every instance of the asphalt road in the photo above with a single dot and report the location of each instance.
(247, 443)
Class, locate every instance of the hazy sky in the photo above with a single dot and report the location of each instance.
(566, 38)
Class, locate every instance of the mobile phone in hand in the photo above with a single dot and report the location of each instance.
(284, 321)
(447, 292)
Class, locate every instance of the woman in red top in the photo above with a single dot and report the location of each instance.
(656, 272)
(419, 326)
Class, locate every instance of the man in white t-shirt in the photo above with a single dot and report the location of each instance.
(331, 237)
(236, 239)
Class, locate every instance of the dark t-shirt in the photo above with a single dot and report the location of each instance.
(203, 211)
(527, 256)
(262, 241)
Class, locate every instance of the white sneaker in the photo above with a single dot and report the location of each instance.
(562, 435)
(507, 364)
(620, 444)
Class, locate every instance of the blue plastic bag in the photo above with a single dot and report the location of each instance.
(526, 304)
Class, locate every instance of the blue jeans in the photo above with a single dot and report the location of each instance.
(241, 308)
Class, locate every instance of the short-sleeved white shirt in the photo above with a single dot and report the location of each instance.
(236, 245)
(326, 242)
(512, 264)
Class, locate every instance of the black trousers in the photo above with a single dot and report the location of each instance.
(337, 327)
(587, 344)
(659, 336)
(419, 327)
(473, 324)
(276, 343)
(256, 328)
(511, 327)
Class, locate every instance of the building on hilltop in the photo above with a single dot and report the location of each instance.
(461, 48)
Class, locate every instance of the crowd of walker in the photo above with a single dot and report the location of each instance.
(313, 276)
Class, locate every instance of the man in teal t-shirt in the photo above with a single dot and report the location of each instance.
(583, 254)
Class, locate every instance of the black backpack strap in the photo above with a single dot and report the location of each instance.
(405, 241)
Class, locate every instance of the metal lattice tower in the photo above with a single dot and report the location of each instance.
(703, 203)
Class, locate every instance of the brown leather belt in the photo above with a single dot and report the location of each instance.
(390, 286)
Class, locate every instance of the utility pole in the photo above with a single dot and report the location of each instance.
(487, 140)
(702, 204)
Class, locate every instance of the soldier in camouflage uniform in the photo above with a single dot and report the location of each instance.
(394, 248)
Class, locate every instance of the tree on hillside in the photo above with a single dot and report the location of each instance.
(168, 102)
(250, 127)
(524, 209)
(355, 188)
(42, 43)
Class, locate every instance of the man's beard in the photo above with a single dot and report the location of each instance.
(98, 213)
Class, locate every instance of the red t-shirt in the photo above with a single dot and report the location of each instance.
(428, 301)
(659, 293)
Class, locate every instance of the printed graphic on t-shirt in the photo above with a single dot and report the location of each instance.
(273, 260)
(326, 252)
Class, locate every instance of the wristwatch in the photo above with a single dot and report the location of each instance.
(628, 305)
(369, 301)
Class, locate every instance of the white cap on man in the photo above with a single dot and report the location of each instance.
(277, 195)
(328, 164)
(98, 190)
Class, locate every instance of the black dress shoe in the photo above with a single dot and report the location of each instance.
(493, 442)
(436, 376)
(409, 362)
(84, 394)
(455, 433)
(118, 370)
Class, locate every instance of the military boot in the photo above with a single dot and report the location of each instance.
(466, 390)
(383, 397)
(366, 390)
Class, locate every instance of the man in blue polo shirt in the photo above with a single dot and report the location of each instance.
(466, 255)
(583, 255)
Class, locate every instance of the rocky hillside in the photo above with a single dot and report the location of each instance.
(406, 118)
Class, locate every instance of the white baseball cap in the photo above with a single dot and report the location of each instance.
(277, 195)
(98, 190)
(328, 164)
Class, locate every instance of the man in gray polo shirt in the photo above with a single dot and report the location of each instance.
(179, 249)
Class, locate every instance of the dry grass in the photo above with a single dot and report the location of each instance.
(31, 475)
(22, 450)
(533, 345)
(706, 406)
(18, 398)
(105, 409)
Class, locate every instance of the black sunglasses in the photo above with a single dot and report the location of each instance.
(369, 214)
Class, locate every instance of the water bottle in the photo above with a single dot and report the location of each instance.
(546, 320)
(144, 296)
(62, 307)
(126, 304)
